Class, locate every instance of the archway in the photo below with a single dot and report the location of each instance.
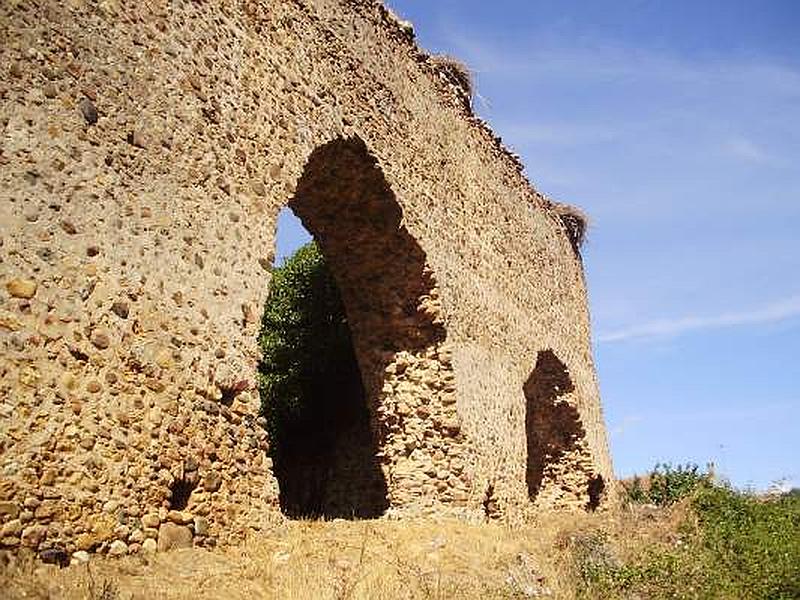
(559, 466)
(395, 321)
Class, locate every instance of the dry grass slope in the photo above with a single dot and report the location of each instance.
(356, 559)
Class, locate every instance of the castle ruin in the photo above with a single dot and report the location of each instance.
(145, 152)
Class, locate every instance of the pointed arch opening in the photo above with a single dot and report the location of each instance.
(558, 462)
(337, 460)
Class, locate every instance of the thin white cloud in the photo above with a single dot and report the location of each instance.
(719, 112)
(746, 150)
(555, 133)
(607, 61)
(627, 423)
(770, 313)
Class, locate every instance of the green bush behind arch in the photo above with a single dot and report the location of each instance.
(306, 346)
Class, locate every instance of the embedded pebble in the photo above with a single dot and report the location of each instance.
(88, 111)
(100, 339)
(118, 548)
(22, 288)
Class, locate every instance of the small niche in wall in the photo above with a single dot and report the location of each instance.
(596, 489)
(181, 492)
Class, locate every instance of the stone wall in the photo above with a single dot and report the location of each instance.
(145, 152)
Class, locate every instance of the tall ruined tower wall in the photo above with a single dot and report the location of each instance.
(145, 152)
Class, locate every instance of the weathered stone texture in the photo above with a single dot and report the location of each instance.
(145, 151)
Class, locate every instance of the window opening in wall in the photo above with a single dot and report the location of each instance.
(323, 447)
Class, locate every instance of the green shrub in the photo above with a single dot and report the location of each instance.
(733, 545)
(666, 484)
(753, 542)
(305, 344)
(636, 492)
(670, 484)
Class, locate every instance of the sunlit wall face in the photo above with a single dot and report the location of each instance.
(677, 127)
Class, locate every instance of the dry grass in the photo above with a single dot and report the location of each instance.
(356, 559)
(575, 221)
(456, 70)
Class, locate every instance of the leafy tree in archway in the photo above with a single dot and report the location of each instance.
(307, 353)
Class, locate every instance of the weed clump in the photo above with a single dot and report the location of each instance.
(456, 71)
(666, 485)
(575, 221)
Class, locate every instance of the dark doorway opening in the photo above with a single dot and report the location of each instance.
(326, 454)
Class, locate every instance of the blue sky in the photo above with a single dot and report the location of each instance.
(676, 126)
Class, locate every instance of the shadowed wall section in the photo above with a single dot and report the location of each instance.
(328, 465)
